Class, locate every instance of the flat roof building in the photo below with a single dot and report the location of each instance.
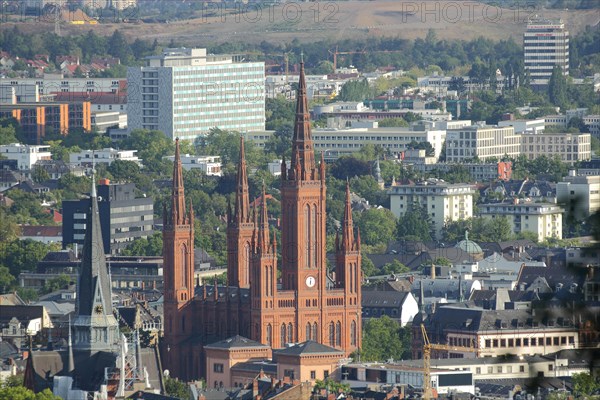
(185, 93)
(545, 45)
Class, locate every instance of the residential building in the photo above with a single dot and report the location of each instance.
(480, 172)
(18, 94)
(106, 156)
(44, 234)
(593, 124)
(210, 165)
(39, 119)
(481, 142)
(185, 93)
(569, 147)
(124, 217)
(545, 45)
(305, 307)
(400, 306)
(542, 219)
(26, 155)
(309, 361)
(443, 201)
(59, 84)
(580, 195)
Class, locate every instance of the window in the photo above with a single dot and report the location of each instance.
(332, 334)
(326, 374)
(478, 370)
(521, 368)
(338, 334)
(290, 333)
(550, 367)
(218, 368)
(490, 370)
(488, 343)
(353, 333)
(499, 369)
(308, 331)
(288, 373)
(313, 374)
(283, 334)
(509, 369)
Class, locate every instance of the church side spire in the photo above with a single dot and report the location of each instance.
(263, 235)
(348, 227)
(303, 156)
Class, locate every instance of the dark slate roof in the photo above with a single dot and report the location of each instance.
(7, 350)
(22, 313)
(234, 293)
(566, 276)
(268, 367)
(308, 347)
(235, 342)
(372, 298)
(142, 395)
(62, 256)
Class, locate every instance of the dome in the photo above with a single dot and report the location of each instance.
(469, 246)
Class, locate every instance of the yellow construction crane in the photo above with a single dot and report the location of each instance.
(427, 347)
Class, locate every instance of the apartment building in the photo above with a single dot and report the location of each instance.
(526, 125)
(443, 201)
(569, 147)
(123, 216)
(542, 219)
(44, 118)
(210, 165)
(482, 142)
(545, 45)
(86, 158)
(58, 84)
(579, 194)
(25, 155)
(185, 93)
(480, 172)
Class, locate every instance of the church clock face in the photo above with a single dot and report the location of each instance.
(310, 281)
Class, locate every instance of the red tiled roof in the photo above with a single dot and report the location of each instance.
(35, 231)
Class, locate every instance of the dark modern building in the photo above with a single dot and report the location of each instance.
(123, 216)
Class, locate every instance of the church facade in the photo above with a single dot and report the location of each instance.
(303, 302)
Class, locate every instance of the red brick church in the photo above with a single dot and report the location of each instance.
(304, 303)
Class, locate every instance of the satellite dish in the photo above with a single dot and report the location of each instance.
(99, 198)
(166, 372)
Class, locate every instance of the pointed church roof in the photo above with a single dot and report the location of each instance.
(94, 282)
(348, 233)
(242, 199)
(302, 144)
(177, 195)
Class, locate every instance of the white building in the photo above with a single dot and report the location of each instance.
(106, 156)
(443, 201)
(526, 125)
(542, 219)
(482, 142)
(546, 45)
(185, 93)
(580, 195)
(26, 155)
(210, 165)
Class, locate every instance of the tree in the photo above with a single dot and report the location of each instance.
(348, 166)
(330, 386)
(123, 169)
(22, 393)
(6, 279)
(152, 146)
(367, 266)
(176, 388)
(415, 222)
(56, 283)
(8, 135)
(355, 91)
(395, 267)
(39, 174)
(377, 226)
(585, 384)
(384, 338)
(392, 122)
(557, 88)
(151, 246)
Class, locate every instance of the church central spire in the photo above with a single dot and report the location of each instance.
(242, 199)
(303, 155)
(178, 196)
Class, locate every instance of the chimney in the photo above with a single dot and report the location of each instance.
(255, 388)
(432, 271)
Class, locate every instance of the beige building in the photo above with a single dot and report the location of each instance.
(443, 201)
(222, 356)
(545, 45)
(570, 147)
(309, 361)
(482, 142)
(580, 195)
(542, 219)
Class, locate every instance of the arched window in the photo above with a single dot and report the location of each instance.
(332, 334)
(269, 334)
(246, 262)
(309, 331)
(353, 333)
(313, 236)
(290, 333)
(315, 334)
(338, 334)
(184, 267)
(283, 335)
(307, 230)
